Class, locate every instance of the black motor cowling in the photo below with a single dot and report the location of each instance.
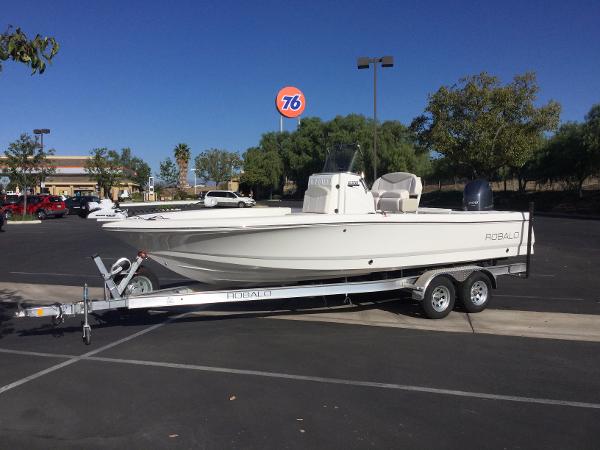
(478, 196)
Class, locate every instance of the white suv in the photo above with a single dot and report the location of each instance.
(227, 198)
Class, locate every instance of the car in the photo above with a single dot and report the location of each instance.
(9, 199)
(80, 204)
(42, 206)
(227, 198)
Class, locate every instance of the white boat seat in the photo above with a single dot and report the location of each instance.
(397, 192)
(400, 193)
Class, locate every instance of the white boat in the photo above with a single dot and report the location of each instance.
(344, 230)
(105, 210)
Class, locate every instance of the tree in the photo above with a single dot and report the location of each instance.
(139, 172)
(482, 125)
(27, 164)
(303, 151)
(591, 132)
(217, 165)
(135, 169)
(168, 173)
(569, 156)
(262, 170)
(125, 156)
(106, 168)
(182, 157)
(35, 53)
(532, 168)
(397, 151)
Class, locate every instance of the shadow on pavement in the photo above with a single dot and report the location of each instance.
(8, 303)
(249, 310)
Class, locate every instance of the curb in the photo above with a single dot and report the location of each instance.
(20, 222)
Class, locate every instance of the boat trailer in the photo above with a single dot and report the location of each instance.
(435, 289)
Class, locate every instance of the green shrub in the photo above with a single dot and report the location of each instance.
(21, 218)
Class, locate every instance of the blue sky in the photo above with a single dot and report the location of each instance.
(149, 74)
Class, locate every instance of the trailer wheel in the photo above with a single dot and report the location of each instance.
(143, 282)
(87, 335)
(439, 298)
(476, 292)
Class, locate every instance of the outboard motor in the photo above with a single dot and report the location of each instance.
(478, 196)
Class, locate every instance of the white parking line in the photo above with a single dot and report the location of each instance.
(73, 360)
(54, 274)
(401, 387)
(286, 376)
(540, 297)
(44, 354)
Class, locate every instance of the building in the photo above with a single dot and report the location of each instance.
(231, 185)
(72, 179)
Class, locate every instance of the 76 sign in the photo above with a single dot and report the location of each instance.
(290, 102)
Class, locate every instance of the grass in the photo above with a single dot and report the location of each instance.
(20, 218)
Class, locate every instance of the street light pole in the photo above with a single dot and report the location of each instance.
(374, 122)
(194, 170)
(364, 62)
(41, 132)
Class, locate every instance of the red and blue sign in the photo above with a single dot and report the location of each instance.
(290, 102)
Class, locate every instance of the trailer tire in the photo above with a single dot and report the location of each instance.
(143, 282)
(439, 298)
(476, 292)
(87, 336)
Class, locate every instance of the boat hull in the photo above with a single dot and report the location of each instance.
(284, 253)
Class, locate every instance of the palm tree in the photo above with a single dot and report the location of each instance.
(182, 156)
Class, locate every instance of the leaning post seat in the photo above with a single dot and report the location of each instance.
(397, 192)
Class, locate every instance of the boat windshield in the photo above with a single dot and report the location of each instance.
(341, 158)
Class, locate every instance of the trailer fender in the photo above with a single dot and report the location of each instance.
(457, 275)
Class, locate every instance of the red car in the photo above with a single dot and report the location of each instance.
(42, 206)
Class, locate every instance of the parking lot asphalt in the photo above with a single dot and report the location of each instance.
(158, 380)
(178, 379)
